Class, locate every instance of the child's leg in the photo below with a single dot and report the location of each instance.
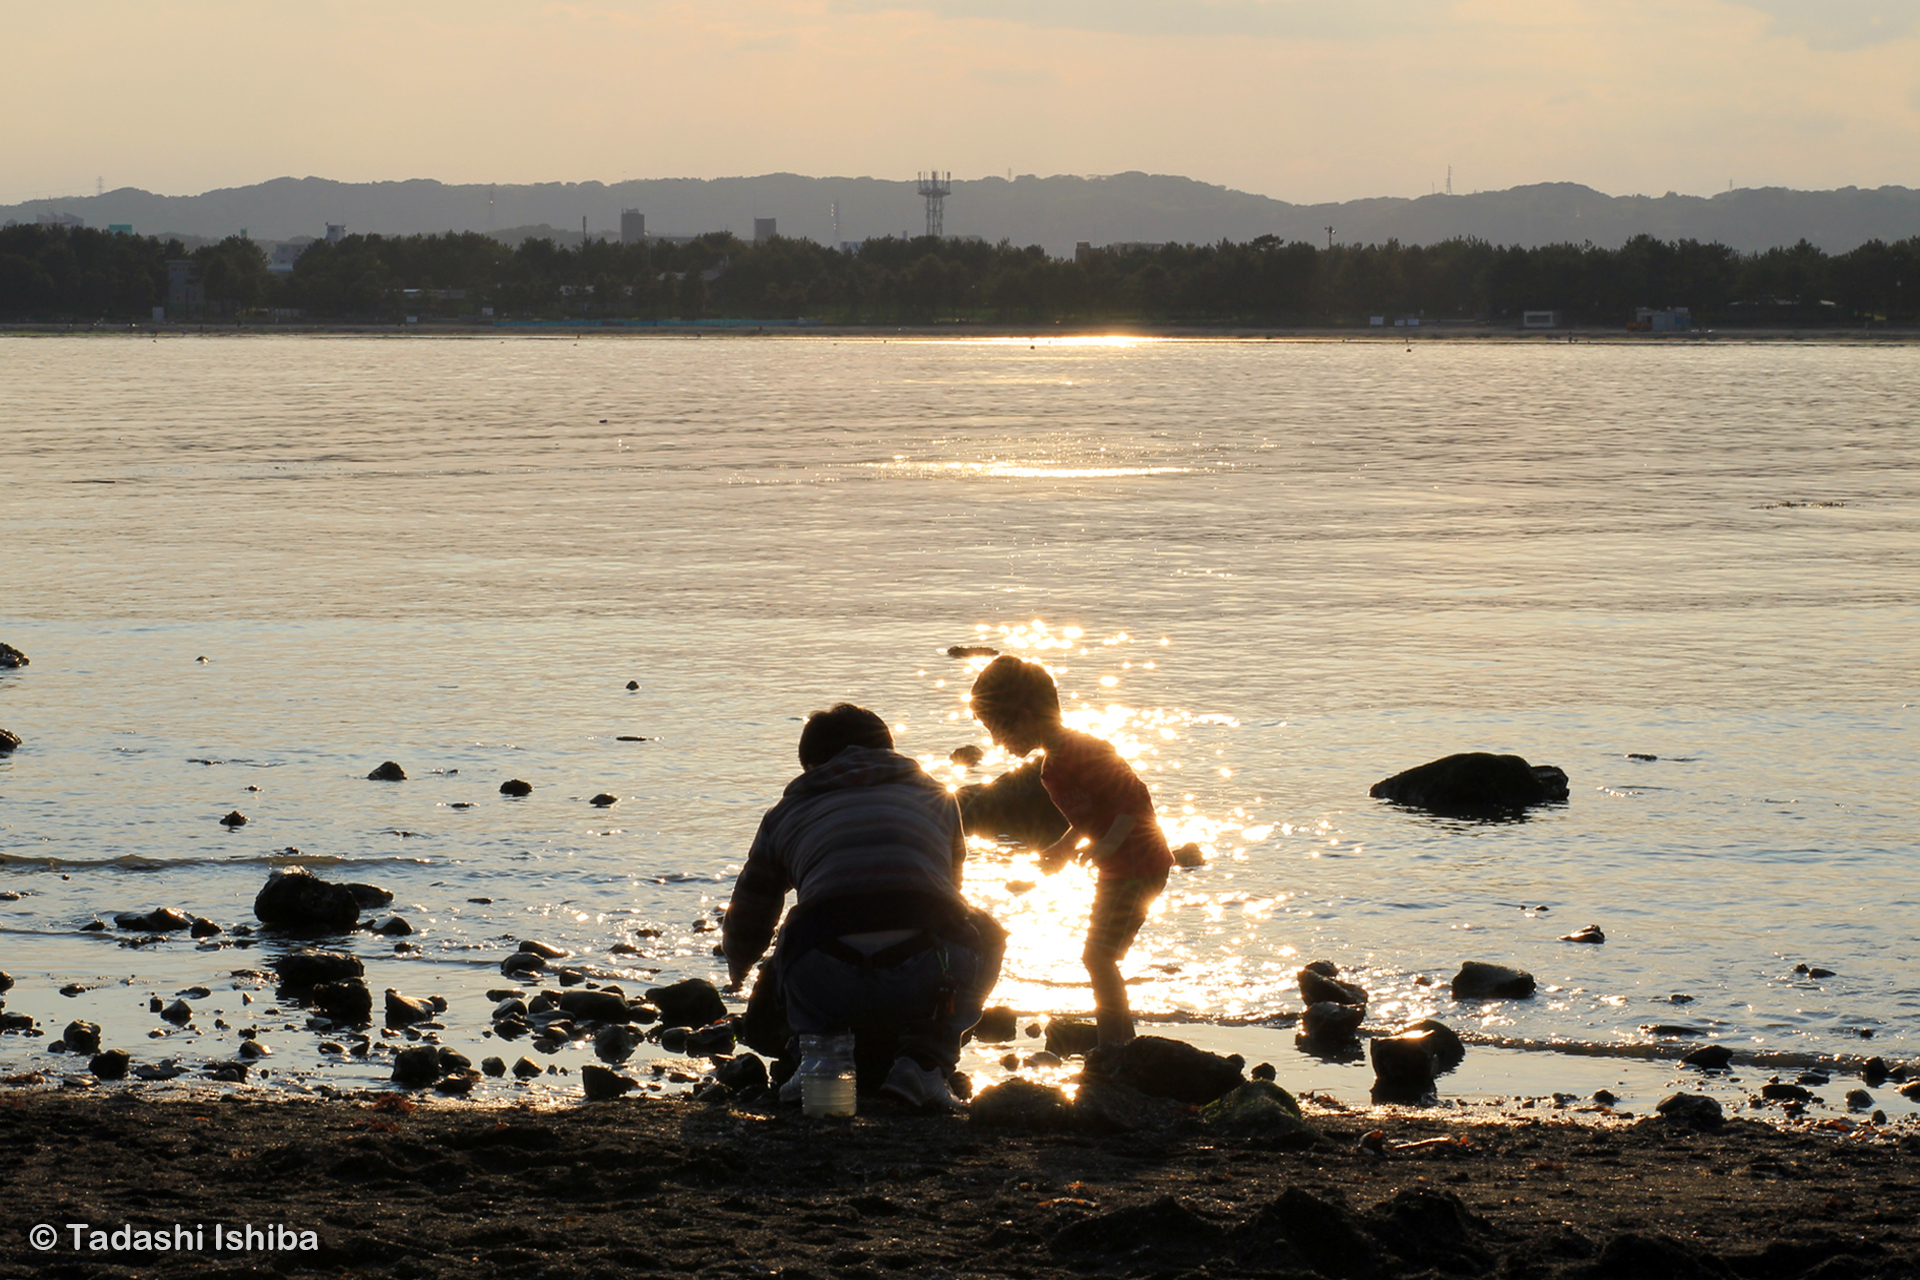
(1119, 909)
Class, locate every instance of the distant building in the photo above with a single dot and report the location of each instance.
(283, 254)
(1082, 250)
(1672, 320)
(120, 228)
(336, 232)
(765, 229)
(185, 292)
(633, 226)
(1539, 319)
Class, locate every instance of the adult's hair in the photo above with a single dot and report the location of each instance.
(1009, 686)
(845, 725)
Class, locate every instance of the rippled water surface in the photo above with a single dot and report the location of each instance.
(249, 570)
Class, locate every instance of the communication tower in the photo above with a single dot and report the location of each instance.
(935, 187)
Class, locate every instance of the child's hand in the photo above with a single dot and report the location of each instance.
(1051, 860)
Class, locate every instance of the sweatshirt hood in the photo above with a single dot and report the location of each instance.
(860, 767)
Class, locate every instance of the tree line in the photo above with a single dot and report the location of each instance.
(79, 274)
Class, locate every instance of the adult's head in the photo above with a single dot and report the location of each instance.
(829, 732)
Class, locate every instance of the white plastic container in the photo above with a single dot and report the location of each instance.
(826, 1076)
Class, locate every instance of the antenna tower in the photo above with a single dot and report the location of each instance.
(934, 189)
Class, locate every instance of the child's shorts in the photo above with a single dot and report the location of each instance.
(1119, 909)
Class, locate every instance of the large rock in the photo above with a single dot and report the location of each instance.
(309, 968)
(1474, 784)
(1320, 984)
(1020, 1104)
(11, 657)
(82, 1037)
(345, 1000)
(1404, 1066)
(1328, 1023)
(1013, 806)
(1480, 981)
(692, 1003)
(111, 1065)
(1163, 1068)
(295, 898)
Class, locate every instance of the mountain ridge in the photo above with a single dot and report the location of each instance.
(1055, 212)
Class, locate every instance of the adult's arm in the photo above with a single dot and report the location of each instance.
(754, 909)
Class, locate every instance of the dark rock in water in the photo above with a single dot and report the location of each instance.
(632, 685)
(966, 755)
(93, 926)
(1449, 1050)
(227, 1072)
(1589, 934)
(602, 1085)
(1709, 1057)
(997, 1025)
(6, 981)
(527, 1069)
(1020, 1104)
(404, 1010)
(495, 1067)
(1873, 1071)
(234, 819)
(417, 1066)
(295, 898)
(1404, 1066)
(1694, 1109)
(972, 651)
(310, 968)
(1859, 1100)
(9, 741)
(1070, 1036)
(367, 895)
(516, 787)
(742, 1074)
(458, 1086)
(604, 799)
(692, 1003)
(1043, 1059)
(1014, 806)
(1331, 1023)
(522, 964)
(11, 658)
(254, 1049)
(615, 1043)
(1189, 856)
(1163, 1068)
(1478, 981)
(82, 1037)
(387, 771)
(546, 951)
(180, 1013)
(111, 1065)
(1474, 784)
(344, 1000)
(674, 1039)
(205, 928)
(599, 1006)
(1264, 1071)
(393, 927)
(1777, 1091)
(1320, 984)
(159, 920)
(713, 1041)
(1164, 1228)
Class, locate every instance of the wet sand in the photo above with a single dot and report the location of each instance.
(390, 1187)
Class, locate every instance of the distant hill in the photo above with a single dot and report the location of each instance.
(1055, 212)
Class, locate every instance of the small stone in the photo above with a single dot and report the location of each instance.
(309, 968)
(495, 1067)
(82, 1037)
(1331, 1024)
(93, 926)
(227, 1072)
(674, 1039)
(966, 756)
(1071, 1037)
(1404, 1065)
(743, 1074)
(1189, 856)
(694, 1002)
(6, 981)
(712, 1041)
(9, 741)
(294, 898)
(404, 1010)
(527, 1069)
(972, 651)
(1605, 1097)
(393, 927)
(1044, 1059)
(1911, 1090)
(1590, 934)
(516, 787)
(111, 1065)
(522, 965)
(179, 1013)
(71, 989)
(234, 819)
(254, 1049)
(387, 771)
(1695, 1109)
(1709, 1057)
(11, 658)
(346, 1000)
(546, 951)
(614, 1044)
(159, 920)
(602, 1085)
(1264, 1071)
(997, 1025)
(604, 799)
(205, 928)
(1874, 1072)
(417, 1066)
(632, 685)
(1859, 1100)
(1020, 1104)
(457, 1086)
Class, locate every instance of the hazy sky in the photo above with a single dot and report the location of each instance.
(1305, 100)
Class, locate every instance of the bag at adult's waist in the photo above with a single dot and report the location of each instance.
(950, 918)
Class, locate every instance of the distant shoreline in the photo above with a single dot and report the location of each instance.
(1396, 336)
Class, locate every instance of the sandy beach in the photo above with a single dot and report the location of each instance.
(389, 1187)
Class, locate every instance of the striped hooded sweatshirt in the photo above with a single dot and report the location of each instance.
(867, 841)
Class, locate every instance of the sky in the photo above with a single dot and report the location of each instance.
(1302, 100)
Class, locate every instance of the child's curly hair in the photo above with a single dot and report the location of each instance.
(1009, 686)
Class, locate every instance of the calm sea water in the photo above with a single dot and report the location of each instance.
(247, 570)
